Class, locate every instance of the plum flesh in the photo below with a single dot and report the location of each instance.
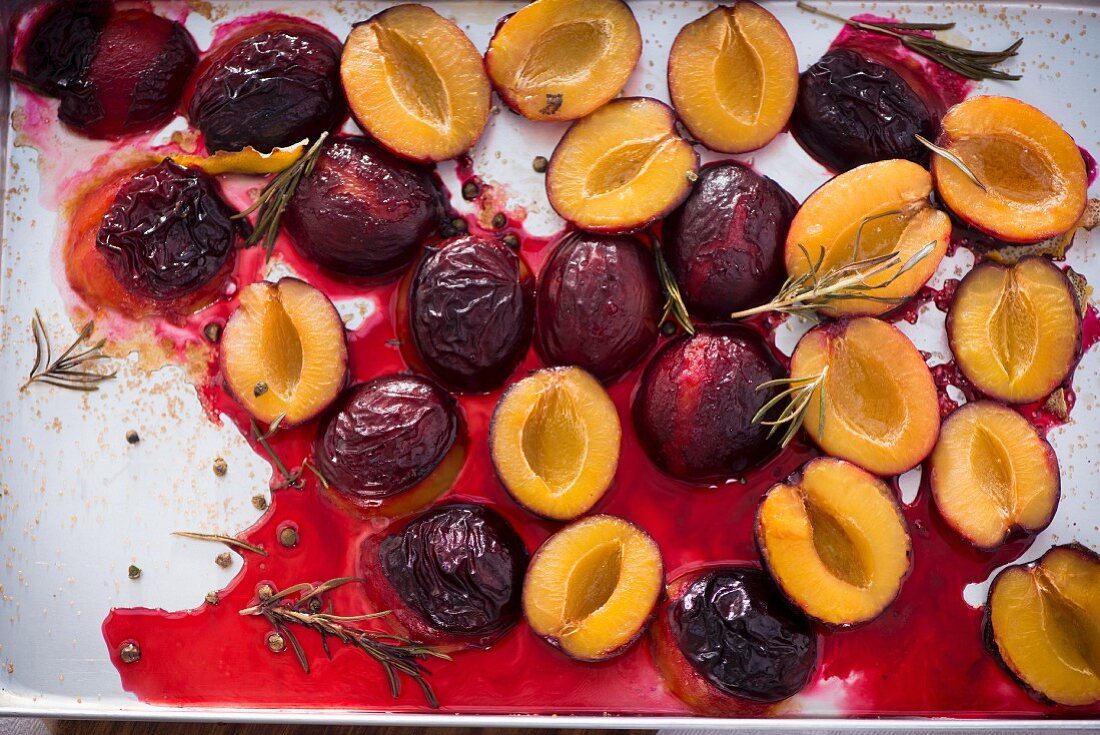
(737, 630)
(459, 567)
(471, 312)
(725, 243)
(385, 436)
(598, 305)
(695, 404)
(852, 110)
(276, 85)
(168, 232)
(363, 211)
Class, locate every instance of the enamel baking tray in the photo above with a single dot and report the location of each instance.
(76, 508)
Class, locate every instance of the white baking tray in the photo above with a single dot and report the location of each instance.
(78, 504)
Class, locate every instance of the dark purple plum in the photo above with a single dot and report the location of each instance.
(385, 437)
(739, 632)
(470, 312)
(598, 305)
(459, 568)
(61, 43)
(269, 85)
(852, 110)
(134, 79)
(168, 233)
(694, 407)
(725, 243)
(363, 211)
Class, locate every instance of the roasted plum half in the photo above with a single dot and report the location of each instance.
(453, 574)
(268, 85)
(852, 110)
(61, 44)
(362, 211)
(470, 312)
(728, 643)
(169, 235)
(695, 405)
(391, 445)
(725, 242)
(598, 305)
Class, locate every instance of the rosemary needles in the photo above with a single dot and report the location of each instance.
(674, 301)
(970, 63)
(71, 369)
(798, 392)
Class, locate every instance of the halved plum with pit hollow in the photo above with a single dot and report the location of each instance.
(453, 574)
(725, 242)
(268, 85)
(694, 407)
(470, 312)
(598, 305)
(560, 59)
(362, 211)
(391, 445)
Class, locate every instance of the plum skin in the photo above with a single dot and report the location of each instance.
(362, 211)
(269, 86)
(694, 406)
(598, 305)
(470, 312)
(738, 631)
(852, 110)
(725, 243)
(460, 568)
(168, 232)
(61, 44)
(383, 437)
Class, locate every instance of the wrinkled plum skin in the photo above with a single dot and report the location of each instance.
(460, 567)
(471, 312)
(851, 110)
(135, 78)
(694, 407)
(598, 305)
(725, 243)
(362, 211)
(270, 89)
(386, 435)
(61, 44)
(168, 232)
(739, 633)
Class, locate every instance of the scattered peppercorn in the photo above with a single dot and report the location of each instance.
(259, 502)
(220, 467)
(260, 389)
(540, 164)
(668, 328)
(213, 331)
(224, 560)
(275, 643)
(459, 224)
(134, 572)
(129, 653)
(470, 190)
(288, 537)
(212, 598)
(511, 241)
(499, 220)
(132, 437)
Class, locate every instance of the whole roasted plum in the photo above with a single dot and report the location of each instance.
(694, 407)
(363, 211)
(385, 437)
(459, 568)
(725, 243)
(739, 632)
(269, 85)
(852, 110)
(168, 233)
(470, 312)
(598, 304)
(61, 44)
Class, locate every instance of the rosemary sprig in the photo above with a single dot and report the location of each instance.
(273, 198)
(674, 302)
(798, 392)
(291, 479)
(230, 541)
(70, 369)
(396, 654)
(970, 63)
(944, 153)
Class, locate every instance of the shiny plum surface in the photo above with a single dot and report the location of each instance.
(270, 86)
(695, 404)
(598, 305)
(384, 436)
(725, 243)
(471, 312)
(363, 211)
(168, 232)
(61, 44)
(460, 567)
(742, 635)
(852, 110)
